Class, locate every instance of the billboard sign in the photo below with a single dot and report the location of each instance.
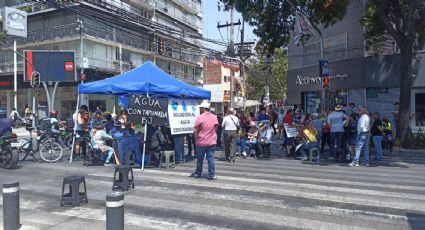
(15, 22)
(53, 65)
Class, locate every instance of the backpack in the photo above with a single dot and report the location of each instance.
(44, 124)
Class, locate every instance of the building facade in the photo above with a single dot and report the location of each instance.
(218, 78)
(357, 74)
(115, 36)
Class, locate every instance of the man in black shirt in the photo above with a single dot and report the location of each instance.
(377, 132)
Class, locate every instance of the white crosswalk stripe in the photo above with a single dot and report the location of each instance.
(250, 194)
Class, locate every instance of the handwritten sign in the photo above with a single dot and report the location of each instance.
(152, 111)
(290, 131)
(182, 114)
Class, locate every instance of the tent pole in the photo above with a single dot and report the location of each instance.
(144, 146)
(75, 126)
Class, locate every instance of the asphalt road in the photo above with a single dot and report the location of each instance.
(250, 194)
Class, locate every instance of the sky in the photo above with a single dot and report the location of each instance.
(211, 16)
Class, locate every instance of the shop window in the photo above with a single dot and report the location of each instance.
(371, 93)
(420, 109)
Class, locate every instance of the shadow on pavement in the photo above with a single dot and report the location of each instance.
(416, 220)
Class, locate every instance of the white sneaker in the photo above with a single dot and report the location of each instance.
(352, 164)
(244, 154)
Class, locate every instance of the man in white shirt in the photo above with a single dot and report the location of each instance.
(230, 126)
(14, 115)
(362, 143)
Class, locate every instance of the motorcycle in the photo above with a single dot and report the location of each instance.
(9, 155)
(19, 122)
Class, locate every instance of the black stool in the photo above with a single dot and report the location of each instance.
(74, 197)
(124, 181)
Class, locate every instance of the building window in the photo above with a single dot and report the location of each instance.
(420, 109)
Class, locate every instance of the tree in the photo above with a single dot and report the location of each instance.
(403, 21)
(277, 77)
(273, 19)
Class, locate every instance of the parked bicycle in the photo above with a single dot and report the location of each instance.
(47, 148)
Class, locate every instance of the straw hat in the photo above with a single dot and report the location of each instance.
(204, 104)
(338, 108)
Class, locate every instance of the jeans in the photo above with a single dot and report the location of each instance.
(200, 154)
(230, 142)
(251, 146)
(242, 144)
(190, 144)
(305, 151)
(110, 153)
(362, 144)
(377, 142)
(179, 147)
(339, 138)
(219, 131)
(324, 141)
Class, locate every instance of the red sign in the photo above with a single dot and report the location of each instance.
(69, 66)
(5, 83)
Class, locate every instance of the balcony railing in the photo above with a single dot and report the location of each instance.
(182, 18)
(189, 5)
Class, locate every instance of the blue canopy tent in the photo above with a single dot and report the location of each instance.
(146, 79)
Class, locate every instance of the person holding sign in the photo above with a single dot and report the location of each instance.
(206, 138)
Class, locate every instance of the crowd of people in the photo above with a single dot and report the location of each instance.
(346, 131)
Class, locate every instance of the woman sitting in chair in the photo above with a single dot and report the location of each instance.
(309, 135)
(264, 140)
(99, 138)
(252, 137)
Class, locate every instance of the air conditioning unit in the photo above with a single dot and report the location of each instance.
(165, 10)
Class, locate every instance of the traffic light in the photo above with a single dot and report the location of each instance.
(35, 79)
(160, 45)
(326, 82)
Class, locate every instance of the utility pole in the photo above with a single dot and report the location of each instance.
(80, 28)
(242, 74)
(231, 49)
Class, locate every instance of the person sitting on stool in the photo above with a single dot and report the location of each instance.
(100, 137)
(264, 140)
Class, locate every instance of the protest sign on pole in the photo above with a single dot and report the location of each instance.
(182, 115)
(152, 111)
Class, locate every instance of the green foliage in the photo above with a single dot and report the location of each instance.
(2, 36)
(26, 8)
(414, 140)
(257, 77)
(273, 19)
(384, 19)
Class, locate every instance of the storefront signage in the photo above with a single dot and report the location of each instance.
(182, 114)
(317, 80)
(5, 83)
(152, 111)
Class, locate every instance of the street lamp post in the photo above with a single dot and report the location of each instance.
(15, 80)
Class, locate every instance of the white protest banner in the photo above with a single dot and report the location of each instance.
(182, 114)
(290, 131)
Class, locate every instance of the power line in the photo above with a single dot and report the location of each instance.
(112, 24)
